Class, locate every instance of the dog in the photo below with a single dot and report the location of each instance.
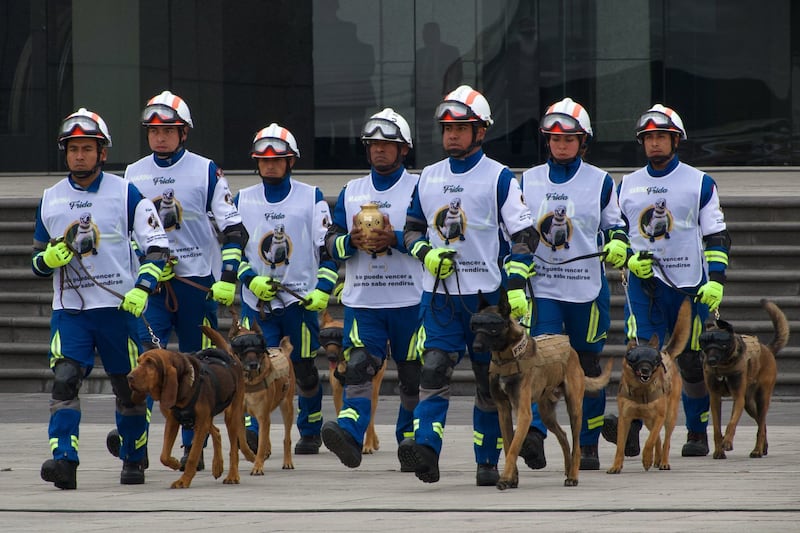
(168, 210)
(278, 247)
(659, 221)
(84, 240)
(558, 234)
(742, 367)
(191, 389)
(269, 383)
(330, 339)
(452, 226)
(527, 369)
(650, 390)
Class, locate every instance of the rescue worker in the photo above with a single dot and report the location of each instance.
(453, 227)
(382, 287)
(286, 275)
(82, 236)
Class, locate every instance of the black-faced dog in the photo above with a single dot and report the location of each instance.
(741, 367)
(525, 369)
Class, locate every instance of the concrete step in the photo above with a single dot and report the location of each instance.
(762, 233)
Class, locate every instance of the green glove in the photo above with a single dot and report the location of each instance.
(518, 302)
(317, 300)
(57, 255)
(135, 301)
(710, 293)
(616, 253)
(264, 287)
(223, 292)
(439, 262)
(167, 274)
(641, 264)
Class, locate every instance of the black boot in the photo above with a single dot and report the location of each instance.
(589, 458)
(62, 473)
(252, 439)
(609, 433)
(132, 473)
(201, 465)
(487, 475)
(341, 443)
(696, 445)
(532, 450)
(308, 445)
(419, 458)
(114, 443)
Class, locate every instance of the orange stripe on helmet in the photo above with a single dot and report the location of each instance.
(576, 111)
(284, 134)
(176, 102)
(471, 97)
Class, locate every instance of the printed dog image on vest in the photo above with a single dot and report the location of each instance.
(83, 235)
(276, 247)
(451, 222)
(169, 210)
(556, 228)
(656, 221)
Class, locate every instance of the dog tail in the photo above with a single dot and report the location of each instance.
(216, 338)
(780, 323)
(600, 382)
(682, 330)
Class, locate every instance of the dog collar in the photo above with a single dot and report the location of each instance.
(519, 349)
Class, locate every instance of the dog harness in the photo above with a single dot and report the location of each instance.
(186, 415)
(520, 358)
(280, 369)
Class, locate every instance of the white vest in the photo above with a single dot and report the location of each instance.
(387, 280)
(180, 193)
(284, 239)
(462, 214)
(664, 219)
(96, 225)
(568, 217)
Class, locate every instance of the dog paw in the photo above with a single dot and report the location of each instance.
(755, 454)
(569, 482)
(216, 469)
(614, 470)
(727, 445)
(231, 480)
(288, 466)
(181, 483)
(719, 454)
(504, 484)
(257, 471)
(664, 466)
(171, 462)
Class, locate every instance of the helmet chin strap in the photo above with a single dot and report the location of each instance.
(275, 181)
(81, 174)
(461, 154)
(386, 169)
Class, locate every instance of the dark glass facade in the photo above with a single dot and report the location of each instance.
(731, 68)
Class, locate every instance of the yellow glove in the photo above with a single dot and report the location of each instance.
(135, 301)
(167, 274)
(641, 264)
(57, 255)
(616, 253)
(223, 292)
(710, 293)
(264, 287)
(439, 262)
(317, 300)
(518, 302)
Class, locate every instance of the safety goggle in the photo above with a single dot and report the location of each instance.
(560, 123)
(643, 354)
(492, 325)
(387, 129)
(454, 111)
(85, 125)
(722, 339)
(655, 120)
(271, 147)
(252, 342)
(160, 113)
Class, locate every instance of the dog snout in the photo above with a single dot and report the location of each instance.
(479, 344)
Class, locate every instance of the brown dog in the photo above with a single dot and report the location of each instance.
(269, 383)
(191, 389)
(741, 367)
(330, 339)
(526, 370)
(650, 390)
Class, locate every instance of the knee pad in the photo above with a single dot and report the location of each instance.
(361, 367)
(590, 363)
(408, 374)
(437, 368)
(306, 376)
(483, 397)
(119, 385)
(67, 379)
(690, 364)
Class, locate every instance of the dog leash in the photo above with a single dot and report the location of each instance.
(579, 258)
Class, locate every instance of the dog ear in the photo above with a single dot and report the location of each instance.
(286, 346)
(653, 341)
(169, 385)
(721, 324)
(503, 307)
(234, 330)
(481, 300)
(255, 327)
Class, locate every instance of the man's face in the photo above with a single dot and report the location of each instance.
(164, 139)
(457, 138)
(274, 167)
(383, 155)
(564, 147)
(82, 154)
(658, 147)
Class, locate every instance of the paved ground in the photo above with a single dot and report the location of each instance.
(735, 495)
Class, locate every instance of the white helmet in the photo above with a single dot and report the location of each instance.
(660, 118)
(566, 117)
(387, 125)
(274, 141)
(464, 104)
(83, 124)
(166, 109)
